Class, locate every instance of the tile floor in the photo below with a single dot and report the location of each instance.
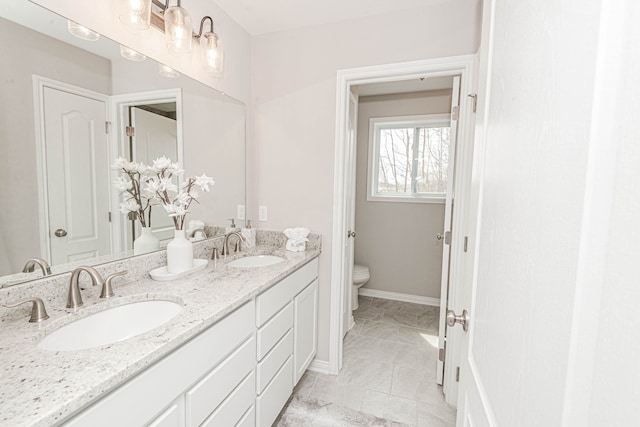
(388, 370)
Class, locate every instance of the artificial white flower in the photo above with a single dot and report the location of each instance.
(123, 184)
(204, 182)
(165, 184)
(120, 163)
(160, 164)
(129, 205)
(175, 169)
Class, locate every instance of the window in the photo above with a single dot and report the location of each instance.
(409, 158)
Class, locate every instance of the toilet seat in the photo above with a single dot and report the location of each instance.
(360, 272)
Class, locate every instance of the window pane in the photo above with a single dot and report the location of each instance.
(433, 160)
(394, 168)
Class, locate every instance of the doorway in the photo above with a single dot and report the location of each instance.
(342, 260)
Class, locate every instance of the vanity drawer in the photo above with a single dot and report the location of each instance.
(273, 299)
(272, 362)
(275, 329)
(275, 396)
(205, 396)
(233, 409)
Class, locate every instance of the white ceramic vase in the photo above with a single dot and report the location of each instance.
(179, 253)
(145, 242)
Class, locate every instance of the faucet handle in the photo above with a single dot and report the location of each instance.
(107, 289)
(38, 312)
(215, 254)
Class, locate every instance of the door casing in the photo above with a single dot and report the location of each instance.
(464, 66)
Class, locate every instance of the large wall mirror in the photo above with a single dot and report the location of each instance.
(58, 193)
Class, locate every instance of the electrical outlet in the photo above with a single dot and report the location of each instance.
(241, 211)
(262, 213)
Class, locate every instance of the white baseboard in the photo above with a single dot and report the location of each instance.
(399, 297)
(321, 366)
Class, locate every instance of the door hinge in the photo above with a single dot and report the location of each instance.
(107, 127)
(466, 243)
(454, 113)
(109, 216)
(441, 354)
(475, 101)
(458, 374)
(447, 237)
(130, 131)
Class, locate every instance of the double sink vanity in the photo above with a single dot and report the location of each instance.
(223, 346)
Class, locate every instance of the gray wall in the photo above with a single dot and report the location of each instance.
(397, 240)
(25, 53)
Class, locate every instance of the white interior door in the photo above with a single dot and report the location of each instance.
(77, 165)
(350, 213)
(155, 136)
(446, 234)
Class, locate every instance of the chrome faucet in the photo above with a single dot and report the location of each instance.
(74, 299)
(225, 243)
(29, 267)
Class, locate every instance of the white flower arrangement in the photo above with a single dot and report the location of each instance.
(131, 184)
(141, 185)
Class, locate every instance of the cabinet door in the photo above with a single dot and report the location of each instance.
(305, 329)
(173, 416)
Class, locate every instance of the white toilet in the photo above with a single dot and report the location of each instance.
(360, 277)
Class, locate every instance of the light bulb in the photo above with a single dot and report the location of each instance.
(135, 14)
(82, 32)
(212, 53)
(165, 71)
(131, 54)
(178, 29)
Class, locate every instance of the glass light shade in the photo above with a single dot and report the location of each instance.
(178, 29)
(82, 32)
(212, 53)
(165, 71)
(135, 14)
(131, 54)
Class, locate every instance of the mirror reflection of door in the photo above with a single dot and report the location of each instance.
(77, 165)
(155, 135)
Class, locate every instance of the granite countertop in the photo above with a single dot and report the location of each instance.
(41, 388)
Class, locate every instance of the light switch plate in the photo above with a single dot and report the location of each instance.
(241, 212)
(262, 213)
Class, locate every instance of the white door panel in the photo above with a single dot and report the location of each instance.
(77, 167)
(448, 386)
(350, 219)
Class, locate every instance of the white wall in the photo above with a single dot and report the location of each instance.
(293, 90)
(30, 53)
(397, 241)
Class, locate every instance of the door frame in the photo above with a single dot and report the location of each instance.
(39, 84)
(465, 66)
(118, 107)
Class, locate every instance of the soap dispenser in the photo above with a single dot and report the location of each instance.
(232, 227)
(249, 235)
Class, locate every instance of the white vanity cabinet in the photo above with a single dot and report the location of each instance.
(207, 381)
(286, 317)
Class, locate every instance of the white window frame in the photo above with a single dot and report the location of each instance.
(376, 123)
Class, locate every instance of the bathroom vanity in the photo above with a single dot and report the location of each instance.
(232, 356)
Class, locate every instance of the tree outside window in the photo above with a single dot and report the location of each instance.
(410, 158)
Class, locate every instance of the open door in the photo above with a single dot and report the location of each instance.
(445, 236)
(350, 217)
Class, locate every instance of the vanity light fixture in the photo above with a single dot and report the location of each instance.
(82, 32)
(135, 14)
(131, 54)
(178, 29)
(211, 48)
(165, 71)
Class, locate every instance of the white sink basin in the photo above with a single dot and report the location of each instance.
(111, 325)
(256, 261)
